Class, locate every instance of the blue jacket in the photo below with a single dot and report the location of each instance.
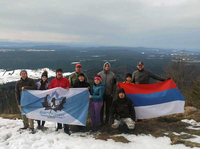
(98, 92)
(38, 84)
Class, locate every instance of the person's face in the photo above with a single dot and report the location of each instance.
(128, 79)
(121, 95)
(23, 75)
(97, 81)
(44, 78)
(140, 67)
(81, 78)
(107, 67)
(78, 69)
(59, 75)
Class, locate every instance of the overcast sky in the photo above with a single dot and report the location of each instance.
(146, 23)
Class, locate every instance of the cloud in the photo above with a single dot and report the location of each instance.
(106, 22)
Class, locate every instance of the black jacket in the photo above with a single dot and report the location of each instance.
(79, 84)
(28, 83)
(122, 108)
(143, 76)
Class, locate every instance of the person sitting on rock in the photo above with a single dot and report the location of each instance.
(122, 111)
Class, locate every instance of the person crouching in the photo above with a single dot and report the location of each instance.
(122, 111)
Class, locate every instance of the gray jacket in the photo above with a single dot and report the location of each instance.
(143, 76)
(108, 77)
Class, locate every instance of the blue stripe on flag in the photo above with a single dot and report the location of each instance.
(76, 106)
(156, 98)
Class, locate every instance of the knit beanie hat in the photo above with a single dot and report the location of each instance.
(59, 70)
(81, 74)
(45, 73)
(129, 75)
(23, 71)
(97, 77)
(121, 90)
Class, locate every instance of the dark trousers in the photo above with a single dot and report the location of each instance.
(59, 126)
(108, 103)
(43, 122)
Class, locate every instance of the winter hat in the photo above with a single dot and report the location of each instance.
(81, 74)
(45, 73)
(78, 65)
(59, 70)
(140, 63)
(23, 71)
(121, 90)
(129, 75)
(97, 77)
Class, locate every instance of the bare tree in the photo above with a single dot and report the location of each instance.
(182, 71)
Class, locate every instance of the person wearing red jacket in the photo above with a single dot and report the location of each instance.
(60, 81)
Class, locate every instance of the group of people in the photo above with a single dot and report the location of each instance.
(117, 112)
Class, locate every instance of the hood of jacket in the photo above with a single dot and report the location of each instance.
(105, 65)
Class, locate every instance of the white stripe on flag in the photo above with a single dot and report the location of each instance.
(158, 110)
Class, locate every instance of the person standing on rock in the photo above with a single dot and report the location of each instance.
(43, 84)
(60, 81)
(81, 83)
(96, 102)
(23, 84)
(108, 77)
(74, 76)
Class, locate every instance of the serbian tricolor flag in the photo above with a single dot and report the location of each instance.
(155, 100)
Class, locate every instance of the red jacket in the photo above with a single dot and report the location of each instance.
(62, 82)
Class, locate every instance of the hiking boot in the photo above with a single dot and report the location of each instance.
(39, 127)
(59, 126)
(23, 128)
(32, 131)
(66, 130)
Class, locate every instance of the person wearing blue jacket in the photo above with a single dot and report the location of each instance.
(42, 85)
(96, 102)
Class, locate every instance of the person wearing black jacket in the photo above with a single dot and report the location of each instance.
(122, 111)
(81, 83)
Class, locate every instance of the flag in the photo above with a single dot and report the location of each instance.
(56, 105)
(155, 100)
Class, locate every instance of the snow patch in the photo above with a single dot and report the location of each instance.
(14, 75)
(195, 125)
(12, 138)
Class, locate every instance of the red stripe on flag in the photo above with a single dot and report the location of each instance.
(147, 88)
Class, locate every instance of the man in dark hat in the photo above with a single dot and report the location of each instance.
(22, 84)
(142, 76)
(74, 76)
(60, 81)
(122, 111)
